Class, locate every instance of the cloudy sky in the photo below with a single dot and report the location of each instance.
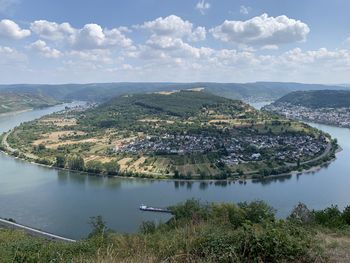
(80, 41)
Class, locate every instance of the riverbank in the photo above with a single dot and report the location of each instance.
(6, 149)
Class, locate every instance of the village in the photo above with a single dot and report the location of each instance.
(332, 116)
(232, 150)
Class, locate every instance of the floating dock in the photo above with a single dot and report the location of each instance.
(154, 209)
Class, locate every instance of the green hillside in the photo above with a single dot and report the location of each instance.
(318, 98)
(10, 102)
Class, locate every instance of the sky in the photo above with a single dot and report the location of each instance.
(84, 41)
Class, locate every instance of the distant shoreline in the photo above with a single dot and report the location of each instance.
(10, 113)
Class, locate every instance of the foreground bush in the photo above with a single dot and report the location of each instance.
(246, 232)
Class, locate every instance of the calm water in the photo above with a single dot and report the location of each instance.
(62, 202)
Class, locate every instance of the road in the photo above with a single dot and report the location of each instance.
(324, 154)
(33, 231)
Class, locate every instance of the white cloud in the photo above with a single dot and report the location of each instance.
(41, 47)
(10, 30)
(174, 26)
(244, 10)
(269, 47)
(202, 6)
(262, 30)
(103, 56)
(91, 36)
(51, 30)
(11, 57)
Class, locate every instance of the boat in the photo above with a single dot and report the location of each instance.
(154, 209)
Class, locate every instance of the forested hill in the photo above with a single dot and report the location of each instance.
(10, 101)
(130, 109)
(258, 91)
(318, 98)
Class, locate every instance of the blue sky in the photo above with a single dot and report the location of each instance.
(174, 40)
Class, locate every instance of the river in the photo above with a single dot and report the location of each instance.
(62, 202)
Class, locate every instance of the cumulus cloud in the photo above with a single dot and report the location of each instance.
(262, 30)
(41, 47)
(91, 36)
(51, 30)
(244, 10)
(10, 30)
(202, 6)
(174, 26)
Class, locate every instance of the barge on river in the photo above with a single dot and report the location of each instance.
(154, 209)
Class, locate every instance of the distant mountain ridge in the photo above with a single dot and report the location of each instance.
(258, 91)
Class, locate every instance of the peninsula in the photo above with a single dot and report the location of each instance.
(175, 134)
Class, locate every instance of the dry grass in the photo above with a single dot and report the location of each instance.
(54, 137)
(337, 246)
(60, 122)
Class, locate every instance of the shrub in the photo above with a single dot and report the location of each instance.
(330, 217)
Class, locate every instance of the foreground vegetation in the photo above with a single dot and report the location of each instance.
(246, 232)
(180, 134)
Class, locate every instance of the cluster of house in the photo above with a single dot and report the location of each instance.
(332, 116)
(169, 144)
(289, 148)
(234, 150)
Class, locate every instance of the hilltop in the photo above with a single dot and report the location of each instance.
(177, 134)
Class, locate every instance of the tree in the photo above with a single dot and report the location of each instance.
(99, 227)
(93, 167)
(60, 161)
(75, 162)
(112, 167)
